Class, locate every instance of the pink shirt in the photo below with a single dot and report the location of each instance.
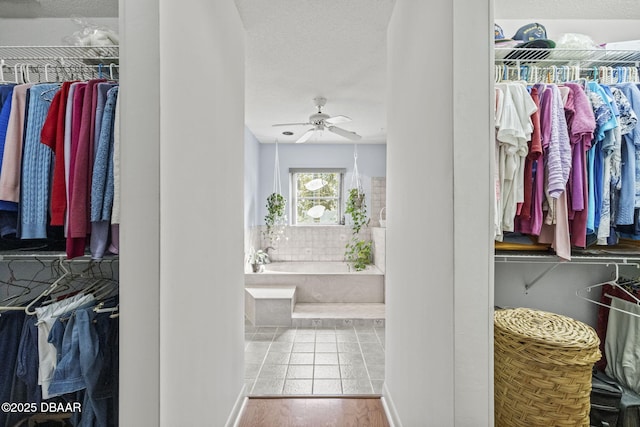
(12, 160)
(75, 244)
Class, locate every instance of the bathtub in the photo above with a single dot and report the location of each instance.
(322, 282)
(316, 267)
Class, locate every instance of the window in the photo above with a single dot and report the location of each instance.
(316, 196)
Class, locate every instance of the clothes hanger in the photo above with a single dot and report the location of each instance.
(115, 311)
(26, 289)
(112, 66)
(613, 283)
(29, 308)
(2, 79)
(44, 94)
(575, 73)
(24, 69)
(523, 73)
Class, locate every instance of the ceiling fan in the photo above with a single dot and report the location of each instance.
(321, 121)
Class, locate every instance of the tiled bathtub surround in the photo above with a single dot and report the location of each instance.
(312, 243)
(378, 200)
(379, 238)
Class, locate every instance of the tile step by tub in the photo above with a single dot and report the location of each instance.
(338, 314)
(270, 306)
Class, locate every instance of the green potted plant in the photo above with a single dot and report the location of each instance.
(257, 259)
(275, 216)
(358, 251)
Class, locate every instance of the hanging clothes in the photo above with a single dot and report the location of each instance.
(66, 352)
(53, 136)
(36, 166)
(102, 182)
(50, 142)
(12, 154)
(584, 181)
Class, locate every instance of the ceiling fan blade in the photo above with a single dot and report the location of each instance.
(292, 124)
(345, 133)
(336, 120)
(305, 137)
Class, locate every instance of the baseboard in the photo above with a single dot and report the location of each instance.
(236, 412)
(390, 408)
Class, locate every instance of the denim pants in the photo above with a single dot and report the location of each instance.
(80, 365)
(10, 330)
(25, 383)
(100, 408)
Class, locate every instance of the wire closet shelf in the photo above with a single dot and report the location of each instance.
(23, 64)
(570, 57)
(59, 55)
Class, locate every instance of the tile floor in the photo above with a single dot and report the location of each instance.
(314, 361)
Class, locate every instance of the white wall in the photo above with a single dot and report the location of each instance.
(371, 162)
(419, 297)
(201, 181)
(555, 292)
(439, 296)
(140, 215)
(45, 31)
(251, 178)
(473, 134)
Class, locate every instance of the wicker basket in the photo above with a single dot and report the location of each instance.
(543, 365)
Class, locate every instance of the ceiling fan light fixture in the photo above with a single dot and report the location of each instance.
(321, 121)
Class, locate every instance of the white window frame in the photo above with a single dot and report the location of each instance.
(293, 196)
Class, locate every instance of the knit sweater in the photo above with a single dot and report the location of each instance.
(36, 164)
(102, 179)
(559, 148)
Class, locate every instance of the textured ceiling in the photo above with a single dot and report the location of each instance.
(58, 8)
(297, 50)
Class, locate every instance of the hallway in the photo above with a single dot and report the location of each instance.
(312, 412)
(314, 361)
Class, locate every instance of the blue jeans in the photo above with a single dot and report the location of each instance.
(10, 330)
(25, 383)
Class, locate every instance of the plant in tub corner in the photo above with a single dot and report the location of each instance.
(275, 218)
(358, 251)
(257, 259)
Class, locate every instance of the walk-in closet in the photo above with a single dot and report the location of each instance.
(59, 238)
(183, 299)
(565, 217)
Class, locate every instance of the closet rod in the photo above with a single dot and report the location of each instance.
(55, 257)
(528, 286)
(545, 258)
(556, 264)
